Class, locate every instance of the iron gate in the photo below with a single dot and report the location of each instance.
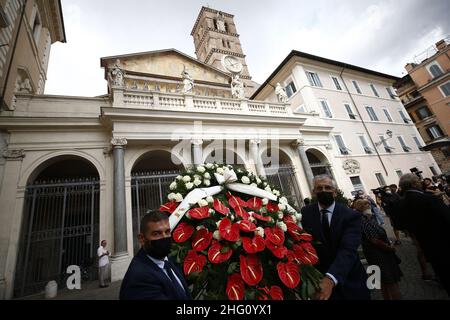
(283, 177)
(60, 228)
(148, 191)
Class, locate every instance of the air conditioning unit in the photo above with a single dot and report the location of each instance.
(4, 21)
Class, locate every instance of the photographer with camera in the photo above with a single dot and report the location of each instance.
(389, 202)
(433, 189)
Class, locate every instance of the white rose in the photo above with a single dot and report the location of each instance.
(281, 206)
(282, 226)
(251, 219)
(209, 165)
(197, 182)
(231, 217)
(220, 171)
(258, 181)
(280, 216)
(216, 235)
(276, 192)
(298, 216)
(197, 177)
(206, 182)
(254, 185)
(268, 189)
(186, 178)
(189, 185)
(171, 196)
(218, 223)
(265, 201)
(202, 203)
(259, 231)
(251, 213)
(179, 177)
(265, 184)
(211, 211)
(245, 180)
(210, 199)
(173, 186)
(201, 169)
(283, 200)
(207, 175)
(178, 197)
(200, 227)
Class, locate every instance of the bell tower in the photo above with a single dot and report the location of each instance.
(215, 36)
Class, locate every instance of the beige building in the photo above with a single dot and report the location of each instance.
(80, 169)
(425, 92)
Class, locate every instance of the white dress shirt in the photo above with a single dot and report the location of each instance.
(330, 211)
(160, 264)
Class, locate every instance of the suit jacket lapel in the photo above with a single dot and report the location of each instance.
(335, 223)
(318, 224)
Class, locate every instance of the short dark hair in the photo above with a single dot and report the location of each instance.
(152, 216)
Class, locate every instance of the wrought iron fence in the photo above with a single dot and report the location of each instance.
(60, 228)
(283, 177)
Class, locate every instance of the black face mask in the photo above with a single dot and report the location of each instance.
(158, 249)
(325, 198)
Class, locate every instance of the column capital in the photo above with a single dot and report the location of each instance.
(197, 142)
(328, 146)
(255, 141)
(119, 142)
(300, 142)
(13, 154)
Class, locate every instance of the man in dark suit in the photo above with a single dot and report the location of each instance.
(336, 230)
(151, 275)
(427, 218)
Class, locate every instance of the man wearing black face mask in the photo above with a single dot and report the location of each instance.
(151, 275)
(336, 230)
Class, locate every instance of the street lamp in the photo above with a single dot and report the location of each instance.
(389, 134)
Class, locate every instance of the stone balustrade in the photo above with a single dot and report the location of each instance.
(155, 100)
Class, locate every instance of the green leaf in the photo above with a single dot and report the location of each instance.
(232, 268)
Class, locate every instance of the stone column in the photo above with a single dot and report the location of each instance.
(120, 222)
(299, 144)
(197, 151)
(8, 226)
(256, 157)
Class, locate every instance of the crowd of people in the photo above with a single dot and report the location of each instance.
(420, 208)
(417, 207)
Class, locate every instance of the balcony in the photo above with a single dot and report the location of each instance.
(156, 100)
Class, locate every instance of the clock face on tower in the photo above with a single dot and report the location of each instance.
(232, 64)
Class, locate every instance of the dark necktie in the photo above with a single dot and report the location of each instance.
(179, 291)
(326, 226)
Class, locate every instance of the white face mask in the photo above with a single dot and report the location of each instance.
(368, 212)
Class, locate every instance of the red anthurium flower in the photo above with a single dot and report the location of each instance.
(251, 269)
(241, 212)
(199, 213)
(272, 207)
(292, 257)
(262, 296)
(193, 262)
(234, 201)
(220, 207)
(229, 231)
(259, 217)
(247, 226)
(289, 274)
(254, 203)
(264, 289)
(218, 253)
(294, 230)
(169, 207)
(253, 245)
(306, 237)
(276, 293)
(275, 235)
(182, 232)
(306, 253)
(235, 287)
(278, 251)
(288, 219)
(201, 240)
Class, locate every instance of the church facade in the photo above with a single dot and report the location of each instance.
(78, 170)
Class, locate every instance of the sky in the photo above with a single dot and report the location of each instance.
(382, 35)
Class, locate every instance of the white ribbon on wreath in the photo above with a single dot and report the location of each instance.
(228, 181)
